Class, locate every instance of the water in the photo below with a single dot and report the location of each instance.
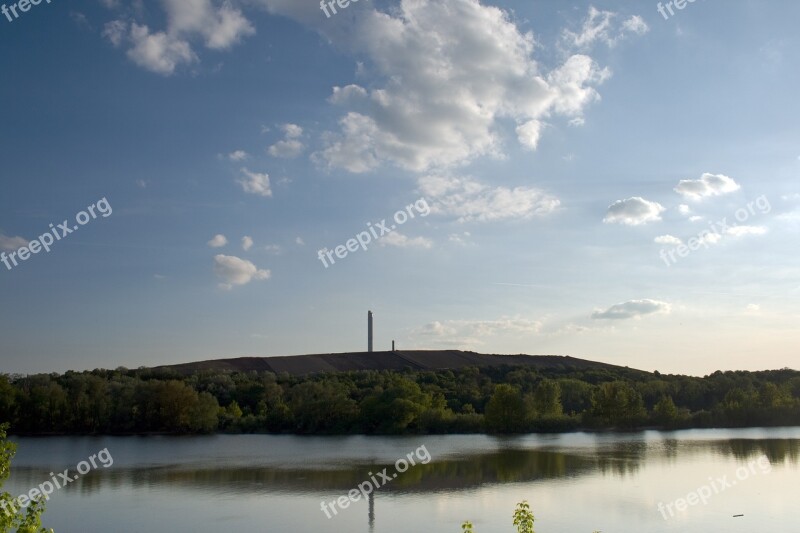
(576, 483)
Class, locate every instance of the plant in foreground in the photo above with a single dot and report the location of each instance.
(31, 521)
(523, 520)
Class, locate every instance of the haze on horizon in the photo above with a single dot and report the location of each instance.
(566, 150)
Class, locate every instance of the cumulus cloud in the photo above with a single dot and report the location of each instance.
(399, 240)
(218, 25)
(470, 200)
(255, 183)
(11, 244)
(633, 212)
(668, 239)
(741, 231)
(529, 134)
(600, 27)
(471, 332)
(684, 210)
(290, 146)
(632, 309)
(247, 243)
(707, 185)
(237, 155)
(218, 241)
(233, 270)
(708, 237)
(456, 73)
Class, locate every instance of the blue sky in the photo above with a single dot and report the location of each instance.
(560, 147)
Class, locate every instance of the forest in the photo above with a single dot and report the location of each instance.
(469, 400)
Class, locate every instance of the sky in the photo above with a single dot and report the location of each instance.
(610, 180)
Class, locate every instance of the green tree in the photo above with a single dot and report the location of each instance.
(547, 399)
(30, 521)
(617, 403)
(506, 411)
(665, 412)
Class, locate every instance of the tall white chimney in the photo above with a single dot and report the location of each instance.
(369, 331)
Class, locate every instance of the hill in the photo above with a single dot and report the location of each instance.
(302, 365)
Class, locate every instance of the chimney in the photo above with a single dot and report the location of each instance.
(392, 345)
(369, 331)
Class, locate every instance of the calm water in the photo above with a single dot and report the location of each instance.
(575, 483)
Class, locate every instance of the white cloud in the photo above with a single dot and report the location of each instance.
(402, 241)
(696, 218)
(233, 270)
(753, 309)
(290, 146)
(632, 309)
(636, 24)
(255, 183)
(461, 239)
(218, 241)
(470, 200)
(471, 332)
(668, 239)
(684, 210)
(455, 73)
(529, 134)
(599, 26)
(142, 184)
(237, 155)
(707, 185)
(741, 231)
(299, 241)
(11, 244)
(219, 25)
(158, 52)
(247, 243)
(115, 31)
(709, 238)
(794, 197)
(633, 212)
(273, 249)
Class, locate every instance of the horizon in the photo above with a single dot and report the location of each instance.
(190, 181)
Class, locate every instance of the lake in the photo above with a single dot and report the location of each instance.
(575, 483)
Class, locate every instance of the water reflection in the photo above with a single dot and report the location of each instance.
(464, 472)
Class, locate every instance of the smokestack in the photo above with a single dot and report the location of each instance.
(369, 331)
(392, 345)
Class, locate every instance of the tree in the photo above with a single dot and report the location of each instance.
(506, 412)
(617, 403)
(30, 522)
(665, 412)
(547, 399)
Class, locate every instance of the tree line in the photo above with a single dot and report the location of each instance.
(468, 400)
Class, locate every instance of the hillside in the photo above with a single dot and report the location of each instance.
(301, 365)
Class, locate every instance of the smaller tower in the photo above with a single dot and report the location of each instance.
(369, 331)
